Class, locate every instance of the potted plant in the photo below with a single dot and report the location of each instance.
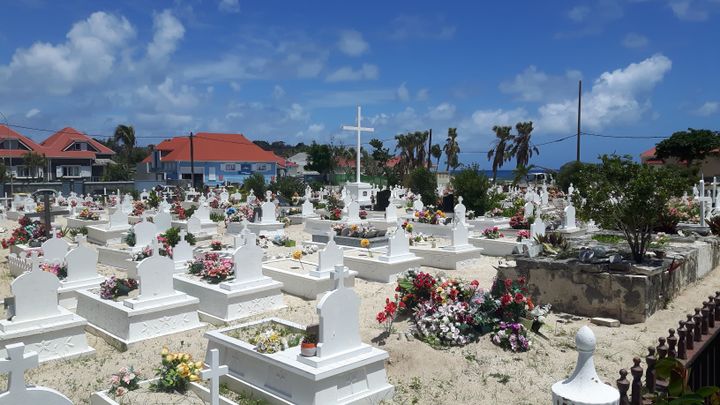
(308, 346)
(216, 245)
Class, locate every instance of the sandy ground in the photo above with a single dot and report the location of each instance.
(477, 373)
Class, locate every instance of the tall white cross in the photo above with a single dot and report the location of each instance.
(213, 374)
(16, 364)
(358, 128)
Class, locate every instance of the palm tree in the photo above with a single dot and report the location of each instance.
(436, 152)
(500, 152)
(125, 134)
(521, 172)
(522, 148)
(452, 149)
(34, 161)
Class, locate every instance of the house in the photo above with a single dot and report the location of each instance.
(219, 158)
(709, 167)
(69, 154)
(298, 162)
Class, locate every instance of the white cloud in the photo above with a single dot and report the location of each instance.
(333, 99)
(88, 56)
(278, 92)
(422, 95)
(229, 6)
(235, 86)
(443, 111)
(297, 113)
(578, 13)
(312, 130)
(168, 32)
(416, 27)
(708, 109)
(403, 94)
(633, 40)
(689, 10)
(33, 112)
(366, 72)
(352, 43)
(534, 85)
(165, 97)
(482, 121)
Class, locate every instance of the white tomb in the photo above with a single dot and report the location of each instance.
(162, 221)
(248, 293)
(38, 321)
(268, 225)
(383, 264)
(157, 311)
(82, 273)
(418, 204)
(17, 361)
(145, 233)
(537, 228)
(112, 232)
(391, 214)
(353, 213)
(448, 257)
(344, 370)
(529, 209)
(54, 249)
(569, 226)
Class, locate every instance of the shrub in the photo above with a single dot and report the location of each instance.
(423, 182)
(570, 172)
(153, 200)
(216, 217)
(256, 183)
(172, 236)
(473, 186)
(288, 186)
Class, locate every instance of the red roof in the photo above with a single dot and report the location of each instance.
(211, 147)
(351, 162)
(648, 153)
(53, 146)
(8, 133)
(63, 138)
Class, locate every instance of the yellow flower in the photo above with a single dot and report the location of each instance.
(185, 357)
(194, 378)
(365, 243)
(199, 364)
(297, 255)
(170, 357)
(164, 351)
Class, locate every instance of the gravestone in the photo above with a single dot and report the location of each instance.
(339, 312)
(117, 220)
(224, 197)
(448, 203)
(81, 262)
(307, 208)
(330, 256)
(156, 277)
(247, 264)
(202, 213)
(250, 197)
(459, 211)
(569, 222)
(459, 237)
(382, 200)
(194, 226)
(391, 214)
(398, 248)
(537, 228)
(127, 205)
(145, 232)
(144, 195)
(35, 294)
(183, 251)
(353, 212)
(544, 198)
(162, 221)
(268, 213)
(29, 205)
(418, 204)
(213, 373)
(529, 209)
(18, 392)
(55, 249)
(164, 206)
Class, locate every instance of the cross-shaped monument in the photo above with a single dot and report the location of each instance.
(359, 190)
(213, 374)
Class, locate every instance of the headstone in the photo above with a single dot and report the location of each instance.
(156, 276)
(145, 233)
(164, 206)
(398, 248)
(18, 392)
(183, 251)
(202, 213)
(194, 226)
(307, 208)
(127, 205)
(268, 196)
(544, 196)
(55, 249)
(30, 205)
(268, 213)
(459, 211)
(571, 190)
(569, 222)
(584, 386)
(330, 256)
(81, 261)
(117, 220)
(353, 212)
(162, 221)
(459, 237)
(36, 293)
(144, 195)
(251, 197)
(213, 373)
(391, 213)
(537, 228)
(418, 204)
(339, 319)
(529, 209)
(247, 261)
(224, 197)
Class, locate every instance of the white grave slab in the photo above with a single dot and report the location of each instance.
(18, 360)
(55, 249)
(162, 221)
(112, 232)
(81, 273)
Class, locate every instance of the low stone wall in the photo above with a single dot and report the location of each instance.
(352, 242)
(630, 296)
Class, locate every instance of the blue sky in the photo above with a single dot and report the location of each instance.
(294, 71)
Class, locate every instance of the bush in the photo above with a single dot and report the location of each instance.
(153, 200)
(216, 217)
(423, 182)
(172, 236)
(473, 186)
(288, 186)
(569, 173)
(256, 183)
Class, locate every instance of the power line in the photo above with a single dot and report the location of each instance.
(623, 136)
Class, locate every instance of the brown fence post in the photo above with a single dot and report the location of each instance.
(690, 325)
(697, 333)
(637, 373)
(682, 343)
(713, 308)
(623, 386)
(650, 372)
(672, 343)
(662, 349)
(705, 314)
(717, 305)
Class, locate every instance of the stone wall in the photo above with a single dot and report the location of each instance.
(629, 296)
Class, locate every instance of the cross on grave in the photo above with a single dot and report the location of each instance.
(16, 363)
(359, 129)
(338, 276)
(703, 200)
(47, 215)
(213, 374)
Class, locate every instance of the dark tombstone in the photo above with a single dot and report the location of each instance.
(448, 203)
(382, 200)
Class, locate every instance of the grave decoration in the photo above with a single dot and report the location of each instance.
(39, 322)
(384, 267)
(430, 215)
(29, 232)
(87, 215)
(343, 369)
(211, 267)
(17, 361)
(239, 212)
(454, 312)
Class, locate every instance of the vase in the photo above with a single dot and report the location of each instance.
(308, 349)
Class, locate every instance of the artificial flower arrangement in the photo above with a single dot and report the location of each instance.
(430, 216)
(365, 244)
(216, 245)
(114, 287)
(29, 232)
(492, 233)
(494, 213)
(511, 336)
(355, 231)
(451, 311)
(58, 269)
(88, 215)
(176, 372)
(282, 240)
(518, 221)
(240, 212)
(275, 338)
(334, 214)
(212, 267)
(147, 251)
(407, 227)
(178, 210)
(138, 209)
(125, 380)
(523, 234)
(363, 214)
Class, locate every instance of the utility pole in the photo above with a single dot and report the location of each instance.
(429, 156)
(579, 113)
(192, 161)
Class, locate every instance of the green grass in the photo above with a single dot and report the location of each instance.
(604, 238)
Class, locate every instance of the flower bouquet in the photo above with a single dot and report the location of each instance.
(212, 267)
(176, 372)
(113, 287)
(523, 234)
(125, 380)
(216, 245)
(492, 233)
(511, 336)
(87, 215)
(31, 233)
(58, 269)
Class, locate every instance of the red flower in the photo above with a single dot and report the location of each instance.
(505, 299)
(519, 298)
(508, 283)
(522, 280)
(474, 283)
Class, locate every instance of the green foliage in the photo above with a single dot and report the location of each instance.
(153, 200)
(500, 152)
(4, 175)
(172, 236)
(606, 238)
(678, 392)
(423, 182)
(413, 150)
(624, 195)
(34, 161)
(553, 243)
(693, 144)
(217, 217)
(473, 186)
(256, 183)
(73, 232)
(288, 186)
(190, 211)
(116, 172)
(569, 173)
(321, 159)
(522, 148)
(452, 150)
(129, 238)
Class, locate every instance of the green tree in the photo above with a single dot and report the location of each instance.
(256, 183)
(473, 186)
(452, 150)
(688, 146)
(117, 172)
(321, 159)
(125, 135)
(621, 194)
(4, 175)
(413, 150)
(436, 152)
(34, 161)
(520, 173)
(522, 149)
(569, 173)
(423, 182)
(288, 186)
(500, 152)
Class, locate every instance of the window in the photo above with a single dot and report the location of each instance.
(230, 167)
(71, 171)
(12, 144)
(24, 172)
(261, 167)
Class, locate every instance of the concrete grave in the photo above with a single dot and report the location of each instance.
(17, 361)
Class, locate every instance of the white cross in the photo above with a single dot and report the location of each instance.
(213, 374)
(339, 276)
(17, 362)
(34, 260)
(358, 128)
(460, 199)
